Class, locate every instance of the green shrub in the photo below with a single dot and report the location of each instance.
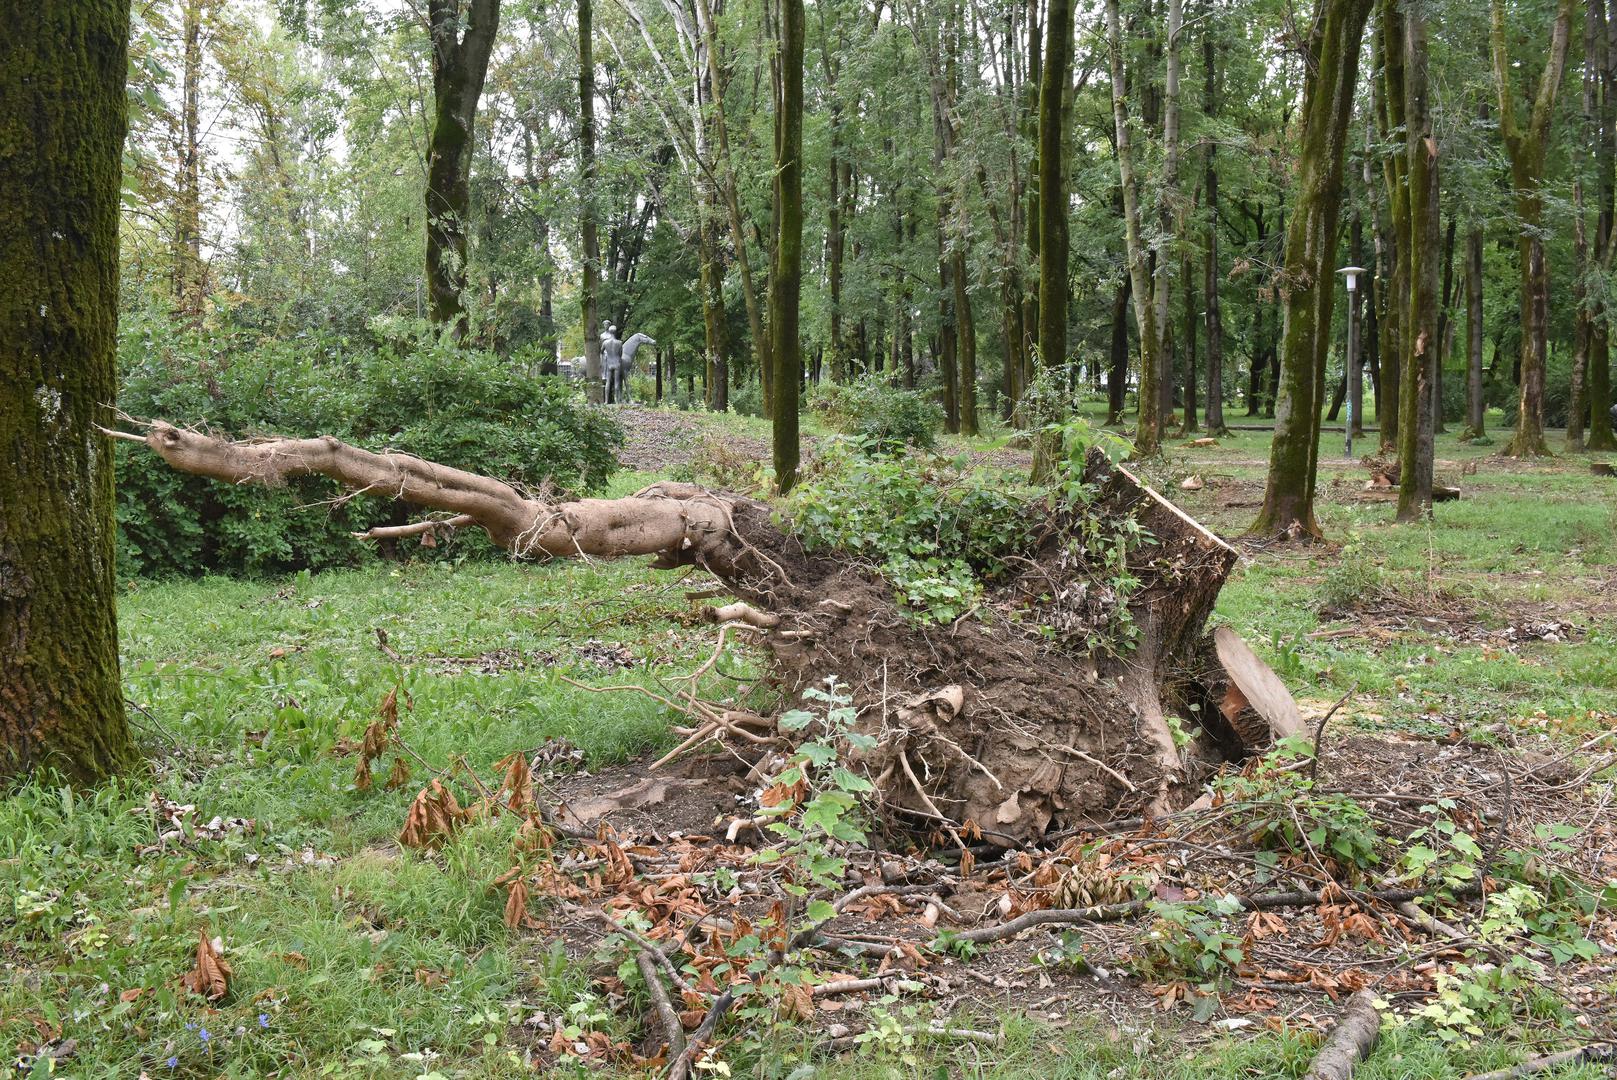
(881, 418)
(460, 408)
(936, 530)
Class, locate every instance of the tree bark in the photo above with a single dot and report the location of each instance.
(1309, 292)
(1525, 146)
(62, 74)
(1210, 274)
(188, 269)
(590, 270)
(1395, 167)
(1148, 429)
(1475, 406)
(1445, 328)
(1423, 340)
(786, 278)
(1117, 376)
(459, 66)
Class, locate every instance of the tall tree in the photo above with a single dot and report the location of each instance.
(1598, 374)
(1526, 146)
(1148, 429)
(787, 275)
(1476, 407)
(1214, 313)
(1056, 74)
(188, 266)
(1173, 211)
(462, 39)
(1309, 292)
(1393, 229)
(62, 73)
(590, 271)
(1423, 338)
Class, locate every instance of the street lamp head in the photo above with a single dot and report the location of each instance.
(1352, 273)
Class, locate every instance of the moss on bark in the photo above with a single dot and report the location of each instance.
(62, 71)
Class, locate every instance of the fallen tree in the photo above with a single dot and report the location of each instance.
(1014, 725)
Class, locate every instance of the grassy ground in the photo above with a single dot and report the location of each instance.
(351, 958)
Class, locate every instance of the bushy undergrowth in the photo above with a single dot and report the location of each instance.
(935, 528)
(460, 408)
(878, 416)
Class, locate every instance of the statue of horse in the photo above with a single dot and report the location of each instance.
(617, 364)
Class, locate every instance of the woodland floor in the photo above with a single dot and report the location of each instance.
(1476, 649)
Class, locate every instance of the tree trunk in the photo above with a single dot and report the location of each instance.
(1445, 328)
(1525, 146)
(1475, 406)
(459, 66)
(1148, 430)
(1192, 317)
(1173, 212)
(188, 272)
(590, 269)
(1598, 378)
(1423, 341)
(1395, 166)
(761, 338)
(787, 275)
(1117, 376)
(62, 74)
(715, 328)
(1309, 289)
(979, 706)
(966, 346)
(1210, 273)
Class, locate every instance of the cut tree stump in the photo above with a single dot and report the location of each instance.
(1603, 468)
(1254, 702)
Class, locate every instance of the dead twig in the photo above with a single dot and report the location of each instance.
(1593, 1054)
(664, 1007)
(680, 1069)
(1319, 732)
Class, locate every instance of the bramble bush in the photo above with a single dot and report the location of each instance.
(458, 407)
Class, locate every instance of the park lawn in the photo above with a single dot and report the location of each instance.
(353, 957)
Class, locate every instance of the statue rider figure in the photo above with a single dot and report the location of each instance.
(612, 364)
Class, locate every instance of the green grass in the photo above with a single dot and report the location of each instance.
(352, 958)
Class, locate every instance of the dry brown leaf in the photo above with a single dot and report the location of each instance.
(429, 978)
(796, 1002)
(362, 774)
(132, 994)
(433, 816)
(211, 975)
(388, 710)
(296, 959)
(516, 905)
(399, 775)
(518, 782)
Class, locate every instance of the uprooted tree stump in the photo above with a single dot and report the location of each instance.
(980, 721)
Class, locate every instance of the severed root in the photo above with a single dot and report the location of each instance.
(745, 614)
(1350, 1041)
(666, 1013)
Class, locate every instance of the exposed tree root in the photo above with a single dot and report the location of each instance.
(1350, 1042)
(978, 722)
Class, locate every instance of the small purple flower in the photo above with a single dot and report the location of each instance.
(205, 1036)
(191, 1025)
(263, 1020)
(173, 1062)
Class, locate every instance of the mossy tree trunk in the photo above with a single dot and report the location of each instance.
(1423, 339)
(62, 72)
(461, 43)
(1308, 287)
(1214, 312)
(1475, 406)
(1526, 147)
(787, 274)
(1148, 430)
(1394, 170)
(1056, 72)
(1598, 378)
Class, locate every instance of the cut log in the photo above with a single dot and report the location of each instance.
(1255, 703)
(1603, 468)
(1350, 1042)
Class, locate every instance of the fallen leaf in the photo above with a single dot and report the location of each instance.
(433, 816)
(211, 975)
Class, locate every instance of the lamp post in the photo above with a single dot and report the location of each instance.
(1355, 377)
